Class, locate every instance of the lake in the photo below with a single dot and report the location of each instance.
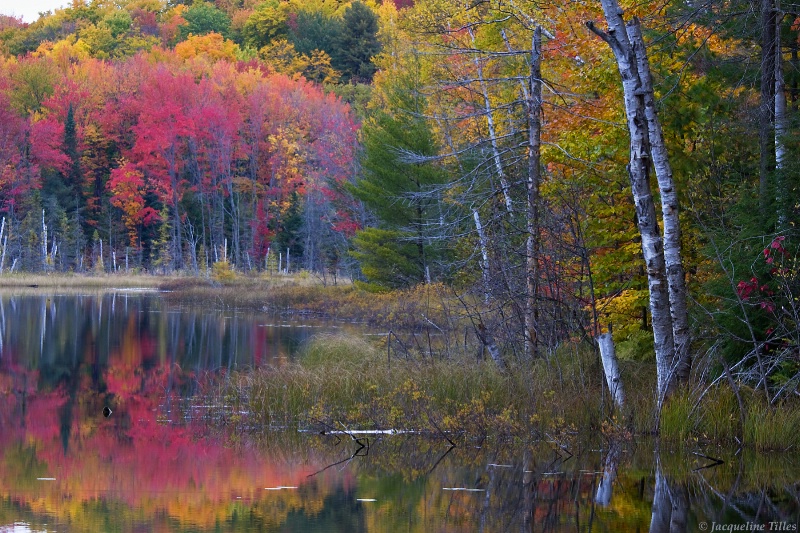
(154, 464)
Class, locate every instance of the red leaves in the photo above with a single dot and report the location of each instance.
(128, 186)
(745, 288)
(148, 131)
(47, 137)
(775, 248)
(776, 294)
(13, 130)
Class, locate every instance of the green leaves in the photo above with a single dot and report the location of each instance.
(204, 18)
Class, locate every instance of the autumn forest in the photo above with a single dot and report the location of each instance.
(555, 181)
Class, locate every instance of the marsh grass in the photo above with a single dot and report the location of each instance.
(342, 381)
(100, 281)
(772, 427)
(346, 381)
(714, 417)
(350, 380)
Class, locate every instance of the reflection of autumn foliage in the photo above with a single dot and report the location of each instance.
(147, 467)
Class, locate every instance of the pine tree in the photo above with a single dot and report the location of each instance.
(401, 251)
(74, 176)
(357, 43)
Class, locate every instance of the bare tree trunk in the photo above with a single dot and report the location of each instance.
(504, 185)
(669, 210)
(638, 172)
(482, 241)
(534, 180)
(608, 354)
(487, 339)
(766, 111)
(781, 121)
(4, 241)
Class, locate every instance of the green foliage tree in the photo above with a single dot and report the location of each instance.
(401, 251)
(32, 83)
(118, 23)
(312, 30)
(73, 176)
(203, 18)
(357, 43)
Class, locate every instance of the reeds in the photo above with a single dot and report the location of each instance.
(343, 381)
(714, 417)
(346, 381)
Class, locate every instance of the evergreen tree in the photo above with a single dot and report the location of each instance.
(357, 43)
(289, 234)
(312, 30)
(401, 251)
(74, 176)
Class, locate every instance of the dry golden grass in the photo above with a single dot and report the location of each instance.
(60, 280)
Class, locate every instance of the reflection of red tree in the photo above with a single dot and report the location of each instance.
(130, 457)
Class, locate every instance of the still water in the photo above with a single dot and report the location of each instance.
(153, 466)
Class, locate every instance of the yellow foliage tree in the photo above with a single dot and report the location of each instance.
(213, 45)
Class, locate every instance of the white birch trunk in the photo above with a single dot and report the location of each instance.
(781, 124)
(44, 242)
(608, 354)
(669, 210)
(662, 505)
(504, 185)
(534, 180)
(487, 339)
(638, 172)
(4, 241)
(484, 253)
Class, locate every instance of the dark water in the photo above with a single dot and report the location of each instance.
(149, 467)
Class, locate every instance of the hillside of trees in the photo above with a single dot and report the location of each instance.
(483, 145)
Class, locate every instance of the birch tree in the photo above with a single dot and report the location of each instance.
(665, 277)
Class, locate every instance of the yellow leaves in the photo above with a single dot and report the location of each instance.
(697, 35)
(282, 57)
(65, 52)
(99, 40)
(211, 45)
(624, 310)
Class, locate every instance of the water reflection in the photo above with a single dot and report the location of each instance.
(58, 332)
(149, 467)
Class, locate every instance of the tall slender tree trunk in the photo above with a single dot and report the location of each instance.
(639, 174)
(484, 245)
(676, 280)
(781, 124)
(766, 109)
(483, 241)
(534, 179)
(504, 184)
